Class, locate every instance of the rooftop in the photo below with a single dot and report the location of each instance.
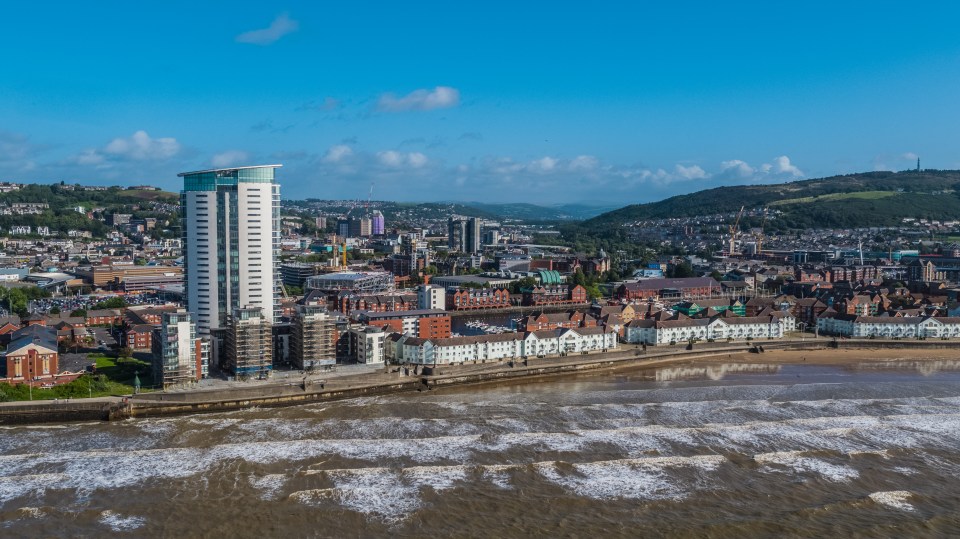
(228, 169)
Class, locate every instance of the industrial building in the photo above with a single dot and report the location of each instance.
(361, 282)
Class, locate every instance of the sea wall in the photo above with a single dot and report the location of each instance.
(188, 402)
(26, 413)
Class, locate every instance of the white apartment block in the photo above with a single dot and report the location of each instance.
(407, 349)
(231, 239)
(704, 329)
(431, 296)
(889, 326)
(179, 357)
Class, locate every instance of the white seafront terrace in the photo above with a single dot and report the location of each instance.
(890, 326)
(553, 342)
(650, 331)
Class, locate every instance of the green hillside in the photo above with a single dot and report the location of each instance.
(867, 199)
(533, 212)
(61, 216)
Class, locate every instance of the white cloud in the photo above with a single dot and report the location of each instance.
(89, 157)
(544, 164)
(441, 97)
(140, 146)
(337, 154)
(229, 158)
(280, 27)
(909, 156)
(395, 159)
(550, 178)
(390, 158)
(417, 159)
(584, 162)
(693, 172)
(782, 167)
(736, 169)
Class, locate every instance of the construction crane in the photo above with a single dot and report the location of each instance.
(760, 235)
(733, 232)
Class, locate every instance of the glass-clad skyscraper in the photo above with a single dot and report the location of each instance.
(231, 238)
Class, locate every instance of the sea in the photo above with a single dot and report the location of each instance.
(698, 450)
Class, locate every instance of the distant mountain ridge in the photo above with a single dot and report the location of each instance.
(847, 201)
(519, 211)
(529, 212)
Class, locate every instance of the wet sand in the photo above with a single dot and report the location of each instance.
(846, 356)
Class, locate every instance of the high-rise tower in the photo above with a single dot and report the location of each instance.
(231, 234)
(379, 224)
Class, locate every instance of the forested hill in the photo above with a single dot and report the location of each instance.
(865, 199)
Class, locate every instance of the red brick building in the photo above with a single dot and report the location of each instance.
(568, 320)
(689, 287)
(32, 356)
(465, 299)
(424, 324)
(554, 295)
(377, 303)
(140, 336)
(103, 317)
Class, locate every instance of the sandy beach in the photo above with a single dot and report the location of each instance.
(846, 356)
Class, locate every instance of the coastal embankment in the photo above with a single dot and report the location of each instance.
(394, 380)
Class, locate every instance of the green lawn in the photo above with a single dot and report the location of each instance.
(114, 376)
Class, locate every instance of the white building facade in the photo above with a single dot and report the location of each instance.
(431, 296)
(178, 356)
(890, 327)
(704, 329)
(406, 349)
(231, 239)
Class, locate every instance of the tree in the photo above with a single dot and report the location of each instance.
(680, 271)
(294, 290)
(54, 310)
(517, 286)
(17, 301)
(593, 291)
(112, 303)
(579, 278)
(78, 313)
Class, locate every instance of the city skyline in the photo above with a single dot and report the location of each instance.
(617, 105)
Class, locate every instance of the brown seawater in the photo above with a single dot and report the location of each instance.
(714, 450)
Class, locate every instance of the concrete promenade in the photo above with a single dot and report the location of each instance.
(387, 380)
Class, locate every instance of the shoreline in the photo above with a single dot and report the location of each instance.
(800, 352)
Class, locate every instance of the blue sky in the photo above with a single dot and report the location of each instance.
(544, 102)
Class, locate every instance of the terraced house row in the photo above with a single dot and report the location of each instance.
(938, 327)
(771, 325)
(554, 342)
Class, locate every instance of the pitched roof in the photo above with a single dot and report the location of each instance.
(658, 284)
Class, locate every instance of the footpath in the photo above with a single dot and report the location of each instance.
(388, 380)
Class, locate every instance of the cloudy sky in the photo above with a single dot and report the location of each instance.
(543, 102)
